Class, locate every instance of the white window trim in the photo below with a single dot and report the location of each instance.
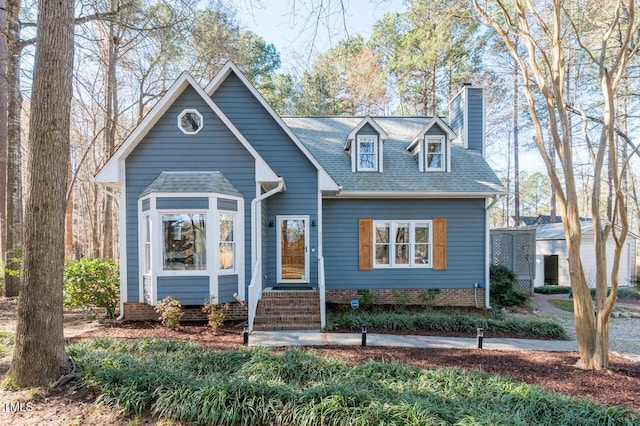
(412, 244)
(233, 270)
(192, 111)
(443, 152)
(376, 155)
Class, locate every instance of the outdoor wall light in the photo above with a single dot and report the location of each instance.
(480, 337)
(364, 334)
(270, 224)
(245, 334)
(313, 222)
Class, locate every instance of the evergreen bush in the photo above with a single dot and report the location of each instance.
(504, 287)
(92, 282)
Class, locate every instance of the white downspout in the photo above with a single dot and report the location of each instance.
(255, 220)
(488, 251)
(111, 194)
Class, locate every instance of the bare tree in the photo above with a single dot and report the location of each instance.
(605, 33)
(13, 156)
(39, 356)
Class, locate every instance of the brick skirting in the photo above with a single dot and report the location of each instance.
(408, 296)
(144, 312)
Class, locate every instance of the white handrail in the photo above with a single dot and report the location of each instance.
(322, 291)
(255, 292)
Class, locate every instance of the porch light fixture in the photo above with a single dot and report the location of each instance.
(480, 337)
(364, 334)
(313, 222)
(270, 224)
(245, 334)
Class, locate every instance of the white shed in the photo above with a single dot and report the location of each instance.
(552, 267)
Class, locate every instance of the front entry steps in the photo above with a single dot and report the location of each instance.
(288, 310)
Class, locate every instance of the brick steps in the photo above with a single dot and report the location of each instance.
(288, 310)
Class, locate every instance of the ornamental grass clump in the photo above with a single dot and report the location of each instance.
(215, 313)
(170, 311)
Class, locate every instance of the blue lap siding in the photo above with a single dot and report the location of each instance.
(285, 158)
(466, 263)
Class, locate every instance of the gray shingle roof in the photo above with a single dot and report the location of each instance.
(182, 182)
(325, 138)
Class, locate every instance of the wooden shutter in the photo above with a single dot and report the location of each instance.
(365, 249)
(439, 244)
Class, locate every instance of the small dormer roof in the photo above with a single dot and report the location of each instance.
(435, 121)
(370, 121)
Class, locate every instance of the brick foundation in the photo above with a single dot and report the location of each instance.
(408, 296)
(144, 312)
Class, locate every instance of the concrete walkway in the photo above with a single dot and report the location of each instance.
(318, 338)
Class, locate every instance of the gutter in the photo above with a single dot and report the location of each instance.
(255, 220)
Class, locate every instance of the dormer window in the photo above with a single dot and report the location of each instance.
(432, 146)
(434, 153)
(367, 153)
(365, 146)
(190, 121)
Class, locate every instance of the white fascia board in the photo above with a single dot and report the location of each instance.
(220, 77)
(414, 194)
(434, 121)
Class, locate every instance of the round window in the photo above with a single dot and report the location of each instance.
(190, 121)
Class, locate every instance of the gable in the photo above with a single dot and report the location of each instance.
(113, 172)
(265, 129)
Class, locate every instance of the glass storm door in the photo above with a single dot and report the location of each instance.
(293, 253)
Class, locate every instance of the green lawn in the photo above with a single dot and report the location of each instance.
(567, 305)
(254, 386)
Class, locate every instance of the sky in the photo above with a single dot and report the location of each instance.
(294, 28)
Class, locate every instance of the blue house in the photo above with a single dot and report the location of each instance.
(221, 196)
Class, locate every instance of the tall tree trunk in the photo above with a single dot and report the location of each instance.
(13, 201)
(4, 98)
(39, 355)
(68, 217)
(516, 150)
(110, 131)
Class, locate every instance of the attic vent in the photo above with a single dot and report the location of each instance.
(190, 121)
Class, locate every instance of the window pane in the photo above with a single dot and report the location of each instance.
(227, 243)
(382, 233)
(402, 254)
(402, 244)
(184, 244)
(434, 148)
(227, 251)
(434, 161)
(421, 233)
(382, 254)
(421, 254)
(402, 233)
(191, 122)
(147, 245)
(367, 152)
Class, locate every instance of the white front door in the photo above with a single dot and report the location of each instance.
(293, 249)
